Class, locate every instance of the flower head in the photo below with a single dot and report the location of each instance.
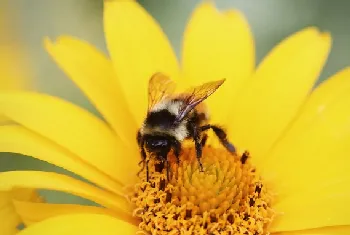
(297, 140)
(228, 197)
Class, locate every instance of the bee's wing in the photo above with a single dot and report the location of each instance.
(159, 87)
(196, 95)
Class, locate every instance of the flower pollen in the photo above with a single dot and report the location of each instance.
(228, 197)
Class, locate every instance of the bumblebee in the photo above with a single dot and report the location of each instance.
(175, 117)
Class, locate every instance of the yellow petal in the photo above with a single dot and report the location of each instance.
(74, 129)
(9, 217)
(8, 213)
(277, 90)
(334, 230)
(74, 224)
(138, 48)
(17, 139)
(31, 213)
(321, 99)
(328, 206)
(316, 155)
(10, 221)
(25, 194)
(218, 45)
(94, 75)
(326, 93)
(59, 182)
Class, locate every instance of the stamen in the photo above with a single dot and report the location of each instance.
(227, 198)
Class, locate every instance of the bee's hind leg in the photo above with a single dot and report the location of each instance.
(221, 134)
(199, 150)
(195, 132)
(199, 147)
(204, 139)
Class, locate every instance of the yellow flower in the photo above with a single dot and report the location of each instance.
(297, 171)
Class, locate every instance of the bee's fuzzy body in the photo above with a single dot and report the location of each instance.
(173, 118)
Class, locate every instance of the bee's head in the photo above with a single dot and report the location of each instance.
(158, 144)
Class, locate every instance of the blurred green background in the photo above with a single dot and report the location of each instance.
(271, 21)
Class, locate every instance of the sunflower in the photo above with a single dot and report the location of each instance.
(294, 180)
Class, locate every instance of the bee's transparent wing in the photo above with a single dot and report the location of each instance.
(159, 87)
(196, 95)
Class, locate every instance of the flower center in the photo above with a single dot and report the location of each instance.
(228, 197)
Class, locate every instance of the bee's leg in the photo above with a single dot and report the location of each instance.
(198, 146)
(143, 167)
(166, 163)
(139, 139)
(221, 134)
(195, 133)
(244, 157)
(204, 139)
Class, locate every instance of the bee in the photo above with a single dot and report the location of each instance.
(173, 118)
